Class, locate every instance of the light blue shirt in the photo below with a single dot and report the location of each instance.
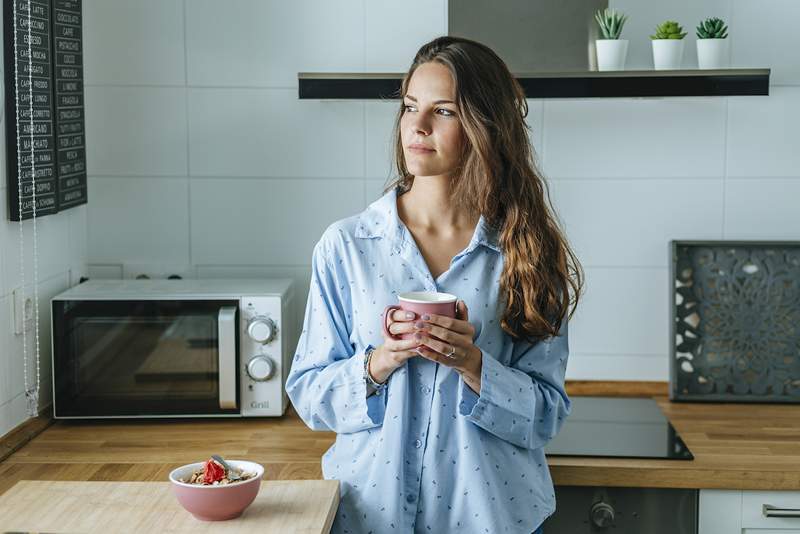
(429, 454)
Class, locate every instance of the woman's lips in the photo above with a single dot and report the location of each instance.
(419, 149)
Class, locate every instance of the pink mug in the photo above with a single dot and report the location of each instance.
(420, 302)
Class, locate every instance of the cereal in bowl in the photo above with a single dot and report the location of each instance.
(213, 474)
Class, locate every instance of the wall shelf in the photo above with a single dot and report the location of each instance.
(592, 84)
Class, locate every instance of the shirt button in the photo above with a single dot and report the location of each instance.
(409, 498)
(426, 389)
(417, 443)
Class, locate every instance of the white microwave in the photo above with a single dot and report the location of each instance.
(172, 348)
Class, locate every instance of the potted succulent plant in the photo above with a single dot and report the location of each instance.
(668, 45)
(712, 44)
(611, 50)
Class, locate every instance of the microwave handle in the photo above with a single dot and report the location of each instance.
(227, 357)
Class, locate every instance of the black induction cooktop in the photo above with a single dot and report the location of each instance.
(618, 427)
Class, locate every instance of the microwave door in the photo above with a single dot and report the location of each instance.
(227, 357)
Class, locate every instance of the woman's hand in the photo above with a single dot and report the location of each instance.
(453, 345)
(394, 352)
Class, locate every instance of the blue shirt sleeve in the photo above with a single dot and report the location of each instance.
(524, 403)
(326, 382)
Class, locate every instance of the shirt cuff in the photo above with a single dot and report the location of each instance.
(373, 406)
(501, 389)
(470, 404)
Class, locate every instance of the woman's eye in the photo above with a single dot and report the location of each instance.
(447, 112)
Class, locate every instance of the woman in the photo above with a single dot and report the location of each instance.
(446, 434)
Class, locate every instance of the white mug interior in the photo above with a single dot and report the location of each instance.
(426, 297)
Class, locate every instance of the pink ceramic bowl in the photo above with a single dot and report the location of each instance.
(216, 503)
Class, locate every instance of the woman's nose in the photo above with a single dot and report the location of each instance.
(421, 125)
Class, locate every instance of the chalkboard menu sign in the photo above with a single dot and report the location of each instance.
(50, 75)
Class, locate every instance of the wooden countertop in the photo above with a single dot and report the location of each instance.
(736, 446)
(307, 506)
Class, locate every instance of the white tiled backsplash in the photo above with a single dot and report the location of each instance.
(204, 156)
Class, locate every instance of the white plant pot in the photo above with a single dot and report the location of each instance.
(611, 53)
(712, 53)
(667, 54)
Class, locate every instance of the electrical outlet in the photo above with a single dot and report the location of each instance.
(22, 312)
(157, 270)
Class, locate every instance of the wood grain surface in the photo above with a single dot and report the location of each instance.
(288, 507)
(736, 446)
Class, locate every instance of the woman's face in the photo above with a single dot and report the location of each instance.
(430, 120)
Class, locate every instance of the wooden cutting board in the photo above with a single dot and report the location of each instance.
(283, 506)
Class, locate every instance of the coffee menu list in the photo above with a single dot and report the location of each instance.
(49, 68)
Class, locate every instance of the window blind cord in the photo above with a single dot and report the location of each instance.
(32, 390)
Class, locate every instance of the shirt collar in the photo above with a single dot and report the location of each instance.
(380, 219)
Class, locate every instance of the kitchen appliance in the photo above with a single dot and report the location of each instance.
(622, 428)
(172, 348)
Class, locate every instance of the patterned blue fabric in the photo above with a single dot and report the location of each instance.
(428, 455)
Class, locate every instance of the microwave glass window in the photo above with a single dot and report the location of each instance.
(138, 357)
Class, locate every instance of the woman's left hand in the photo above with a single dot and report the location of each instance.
(454, 346)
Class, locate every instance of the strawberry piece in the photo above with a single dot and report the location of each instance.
(213, 472)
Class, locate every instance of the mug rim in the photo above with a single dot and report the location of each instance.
(414, 296)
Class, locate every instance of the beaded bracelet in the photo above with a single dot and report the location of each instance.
(378, 387)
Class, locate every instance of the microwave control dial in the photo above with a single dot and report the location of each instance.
(261, 329)
(260, 368)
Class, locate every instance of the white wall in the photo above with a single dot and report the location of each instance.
(204, 156)
(60, 262)
(202, 159)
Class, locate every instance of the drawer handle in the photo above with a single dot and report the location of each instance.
(773, 511)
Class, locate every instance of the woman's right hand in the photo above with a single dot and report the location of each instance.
(394, 352)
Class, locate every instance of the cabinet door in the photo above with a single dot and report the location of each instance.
(720, 512)
(742, 512)
(783, 516)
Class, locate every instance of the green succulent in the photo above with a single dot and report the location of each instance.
(610, 22)
(712, 28)
(669, 30)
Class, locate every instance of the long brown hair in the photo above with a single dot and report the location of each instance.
(499, 179)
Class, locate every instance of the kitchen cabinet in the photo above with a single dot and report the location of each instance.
(742, 512)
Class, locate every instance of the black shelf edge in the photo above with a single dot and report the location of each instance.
(593, 84)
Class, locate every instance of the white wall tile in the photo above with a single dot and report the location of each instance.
(764, 35)
(373, 190)
(762, 134)
(623, 312)
(379, 138)
(766, 208)
(260, 221)
(300, 274)
(634, 138)
(645, 15)
(105, 271)
(135, 43)
(78, 242)
(12, 413)
(6, 357)
(13, 348)
(266, 43)
(630, 222)
(136, 131)
(618, 367)
(535, 121)
(395, 31)
(52, 244)
(270, 132)
(139, 220)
